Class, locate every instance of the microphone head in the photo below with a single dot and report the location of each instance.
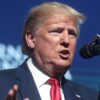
(91, 49)
(85, 53)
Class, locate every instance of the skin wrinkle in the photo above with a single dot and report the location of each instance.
(42, 34)
(50, 37)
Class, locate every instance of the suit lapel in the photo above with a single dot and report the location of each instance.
(70, 91)
(27, 87)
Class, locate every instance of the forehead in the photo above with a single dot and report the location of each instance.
(59, 20)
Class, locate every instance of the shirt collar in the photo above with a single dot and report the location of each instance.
(39, 77)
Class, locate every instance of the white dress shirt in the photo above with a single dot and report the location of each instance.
(40, 80)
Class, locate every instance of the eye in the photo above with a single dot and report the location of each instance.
(72, 33)
(57, 30)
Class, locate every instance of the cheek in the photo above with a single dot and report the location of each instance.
(50, 44)
(47, 45)
(50, 48)
(46, 48)
(73, 46)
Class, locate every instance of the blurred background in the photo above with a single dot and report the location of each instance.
(12, 18)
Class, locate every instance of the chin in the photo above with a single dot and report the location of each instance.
(65, 63)
(61, 64)
(60, 71)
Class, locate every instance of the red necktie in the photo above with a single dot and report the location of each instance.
(55, 89)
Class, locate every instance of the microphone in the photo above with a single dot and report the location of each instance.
(91, 49)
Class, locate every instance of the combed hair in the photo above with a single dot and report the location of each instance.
(39, 14)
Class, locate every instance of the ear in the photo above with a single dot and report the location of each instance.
(30, 40)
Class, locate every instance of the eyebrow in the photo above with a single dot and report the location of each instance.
(57, 29)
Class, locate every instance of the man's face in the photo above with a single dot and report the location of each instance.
(54, 44)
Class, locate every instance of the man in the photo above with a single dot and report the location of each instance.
(49, 40)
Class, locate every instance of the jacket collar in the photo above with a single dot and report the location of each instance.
(25, 81)
(71, 91)
(27, 87)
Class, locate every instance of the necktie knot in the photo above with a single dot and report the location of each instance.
(54, 82)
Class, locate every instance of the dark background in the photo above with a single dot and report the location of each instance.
(12, 17)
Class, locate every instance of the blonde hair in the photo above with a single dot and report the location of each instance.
(39, 14)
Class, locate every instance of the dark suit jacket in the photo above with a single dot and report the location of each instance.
(27, 87)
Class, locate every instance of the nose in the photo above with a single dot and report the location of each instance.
(65, 39)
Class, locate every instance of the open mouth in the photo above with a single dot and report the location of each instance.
(64, 54)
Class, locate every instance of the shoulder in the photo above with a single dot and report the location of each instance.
(87, 92)
(8, 73)
(84, 91)
(77, 85)
(8, 79)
